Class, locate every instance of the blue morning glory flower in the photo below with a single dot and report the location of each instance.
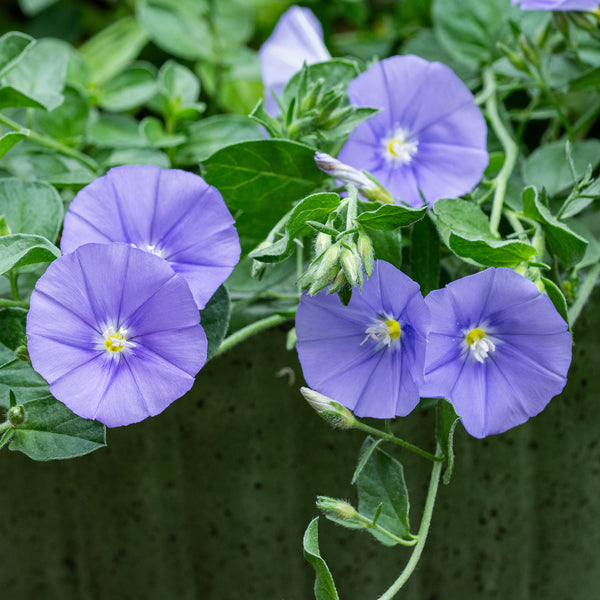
(429, 134)
(115, 332)
(171, 213)
(369, 355)
(296, 39)
(498, 350)
(584, 5)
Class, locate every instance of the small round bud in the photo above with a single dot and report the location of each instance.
(340, 510)
(16, 415)
(22, 353)
(333, 412)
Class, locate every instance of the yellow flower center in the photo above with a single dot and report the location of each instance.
(116, 341)
(479, 344)
(474, 336)
(399, 149)
(393, 329)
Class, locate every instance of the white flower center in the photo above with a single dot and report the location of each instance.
(398, 149)
(150, 248)
(479, 344)
(385, 331)
(115, 341)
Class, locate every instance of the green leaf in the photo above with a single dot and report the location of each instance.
(67, 122)
(115, 131)
(337, 71)
(180, 88)
(315, 207)
(40, 74)
(8, 140)
(136, 156)
(19, 249)
(12, 327)
(214, 318)
(32, 207)
(589, 79)
(324, 585)
(425, 255)
(381, 481)
(11, 97)
(364, 458)
(447, 420)
(554, 293)
(213, 133)
(113, 48)
(21, 378)
(560, 240)
(491, 253)
(547, 166)
(469, 29)
(460, 216)
(390, 216)
(153, 130)
(179, 27)
(129, 89)
(387, 245)
(13, 46)
(260, 181)
(51, 431)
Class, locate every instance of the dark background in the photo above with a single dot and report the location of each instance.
(210, 500)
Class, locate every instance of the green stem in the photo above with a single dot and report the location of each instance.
(422, 535)
(511, 152)
(243, 334)
(397, 539)
(388, 437)
(50, 143)
(5, 426)
(14, 288)
(512, 218)
(11, 303)
(584, 293)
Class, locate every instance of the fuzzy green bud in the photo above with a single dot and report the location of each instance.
(516, 60)
(322, 242)
(333, 412)
(365, 251)
(338, 283)
(351, 264)
(341, 511)
(16, 415)
(337, 117)
(320, 283)
(328, 260)
(22, 353)
(312, 96)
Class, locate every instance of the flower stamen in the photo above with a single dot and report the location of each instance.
(479, 344)
(385, 331)
(398, 149)
(115, 341)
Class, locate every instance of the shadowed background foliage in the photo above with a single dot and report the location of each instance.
(210, 500)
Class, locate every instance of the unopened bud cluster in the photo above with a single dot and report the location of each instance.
(333, 412)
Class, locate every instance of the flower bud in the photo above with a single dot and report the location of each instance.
(366, 252)
(561, 22)
(333, 412)
(312, 96)
(352, 265)
(321, 282)
(337, 117)
(338, 283)
(322, 242)
(529, 52)
(16, 415)
(340, 509)
(582, 21)
(515, 59)
(328, 260)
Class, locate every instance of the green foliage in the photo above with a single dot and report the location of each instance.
(214, 318)
(447, 419)
(390, 216)
(20, 249)
(324, 585)
(425, 255)
(382, 490)
(8, 140)
(260, 181)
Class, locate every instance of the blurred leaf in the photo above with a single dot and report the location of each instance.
(469, 29)
(381, 482)
(214, 318)
(324, 585)
(12, 328)
(13, 46)
(260, 181)
(152, 128)
(31, 207)
(66, 123)
(315, 207)
(115, 131)
(560, 240)
(179, 88)
(489, 252)
(113, 48)
(390, 216)
(136, 156)
(11, 97)
(32, 7)
(8, 140)
(589, 79)
(425, 255)
(447, 420)
(40, 74)
(20, 249)
(213, 133)
(547, 167)
(131, 88)
(387, 246)
(179, 27)
(51, 431)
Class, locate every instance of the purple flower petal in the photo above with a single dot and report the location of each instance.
(344, 352)
(171, 213)
(583, 5)
(522, 364)
(103, 292)
(296, 39)
(438, 130)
